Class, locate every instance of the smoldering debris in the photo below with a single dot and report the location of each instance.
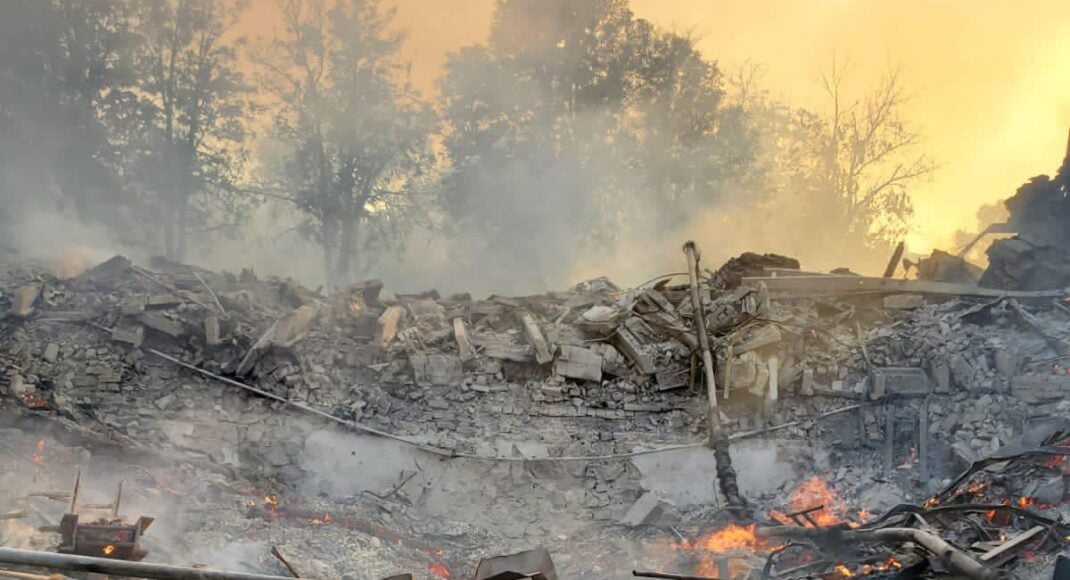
(503, 423)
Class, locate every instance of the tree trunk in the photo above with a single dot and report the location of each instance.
(345, 250)
(181, 227)
(168, 230)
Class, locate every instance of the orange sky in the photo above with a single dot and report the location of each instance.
(990, 78)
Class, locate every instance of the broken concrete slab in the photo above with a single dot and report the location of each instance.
(671, 378)
(161, 323)
(134, 335)
(633, 350)
(1041, 387)
(646, 510)
(578, 363)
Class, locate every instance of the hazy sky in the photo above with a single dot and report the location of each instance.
(990, 78)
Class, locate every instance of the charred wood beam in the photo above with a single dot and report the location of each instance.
(120, 567)
(956, 559)
(999, 458)
(641, 574)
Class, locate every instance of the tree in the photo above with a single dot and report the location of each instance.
(65, 75)
(858, 161)
(191, 151)
(578, 124)
(359, 155)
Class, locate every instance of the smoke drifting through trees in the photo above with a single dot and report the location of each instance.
(575, 136)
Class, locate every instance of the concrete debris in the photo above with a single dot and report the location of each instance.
(646, 510)
(593, 371)
(23, 299)
(578, 363)
(436, 369)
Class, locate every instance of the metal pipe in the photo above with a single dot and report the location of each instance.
(726, 475)
(120, 567)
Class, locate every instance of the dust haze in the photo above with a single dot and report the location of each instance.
(559, 190)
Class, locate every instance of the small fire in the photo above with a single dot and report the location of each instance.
(810, 494)
(38, 454)
(109, 549)
(326, 519)
(732, 537)
(890, 564)
(439, 570)
(844, 571)
(725, 540)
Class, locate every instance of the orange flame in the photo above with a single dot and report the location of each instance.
(844, 571)
(730, 538)
(439, 570)
(109, 549)
(812, 493)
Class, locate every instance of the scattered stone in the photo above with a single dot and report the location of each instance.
(51, 352)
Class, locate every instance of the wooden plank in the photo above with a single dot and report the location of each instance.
(389, 323)
(1007, 548)
(464, 346)
(534, 335)
(847, 285)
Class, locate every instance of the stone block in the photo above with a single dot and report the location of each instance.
(579, 363)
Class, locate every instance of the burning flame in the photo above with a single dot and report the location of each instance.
(844, 571)
(812, 493)
(109, 549)
(730, 538)
(439, 570)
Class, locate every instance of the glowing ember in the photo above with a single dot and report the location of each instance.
(439, 570)
(844, 571)
(38, 455)
(109, 549)
(890, 564)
